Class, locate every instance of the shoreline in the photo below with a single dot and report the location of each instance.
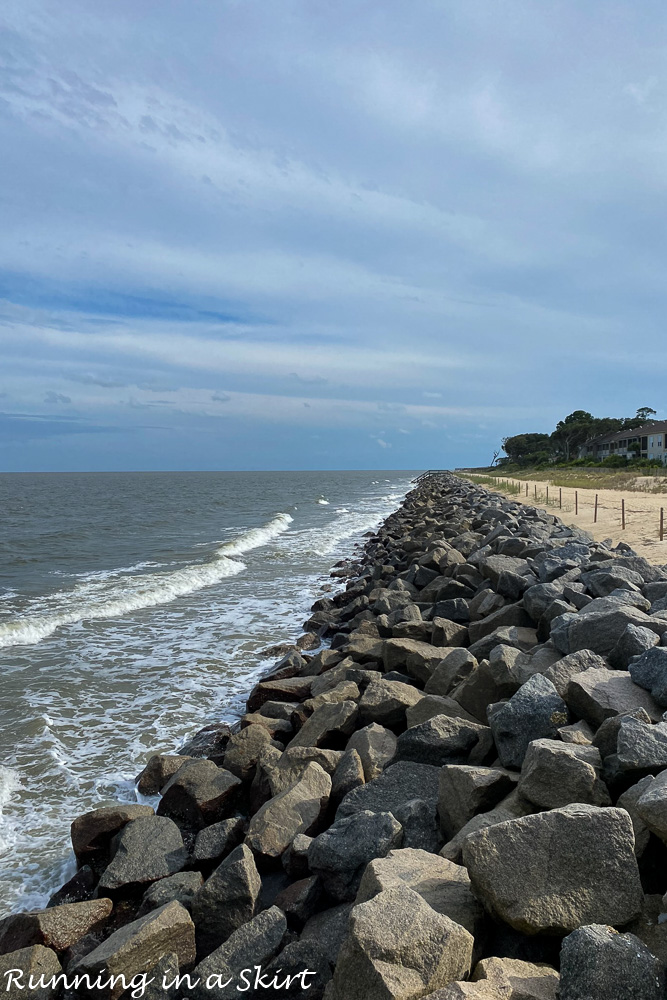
(386, 794)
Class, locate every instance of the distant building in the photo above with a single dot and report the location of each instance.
(649, 441)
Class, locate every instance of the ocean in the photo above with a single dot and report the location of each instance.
(135, 608)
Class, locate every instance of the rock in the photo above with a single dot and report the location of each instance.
(597, 963)
(36, 961)
(599, 626)
(633, 642)
(579, 733)
(385, 702)
(305, 966)
(217, 840)
(291, 766)
(375, 746)
(328, 928)
(431, 705)
(521, 638)
(180, 887)
(77, 889)
(92, 833)
(279, 730)
(340, 854)
(147, 849)
(452, 669)
(299, 901)
(281, 709)
(58, 927)
(244, 750)
(554, 774)
(159, 769)
(137, 947)
(516, 979)
(441, 884)
(650, 927)
(534, 712)
(287, 689)
(551, 872)
(295, 858)
(348, 775)
(200, 793)
(651, 806)
(399, 947)
(628, 801)
(345, 691)
(329, 726)
(392, 789)
(641, 749)
(606, 738)
(537, 598)
(417, 659)
(444, 740)
(561, 673)
(465, 791)
(296, 810)
(226, 900)
(253, 944)
(448, 633)
(490, 682)
(597, 694)
(207, 742)
(650, 672)
(508, 615)
(420, 826)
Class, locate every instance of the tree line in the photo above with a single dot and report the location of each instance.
(563, 443)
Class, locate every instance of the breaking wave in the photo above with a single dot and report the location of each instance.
(125, 594)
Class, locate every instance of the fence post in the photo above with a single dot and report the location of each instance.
(576, 501)
(536, 491)
(547, 496)
(623, 514)
(560, 497)
(662, 523)
(595, 514)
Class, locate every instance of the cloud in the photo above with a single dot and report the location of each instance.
(57, 399)
(432, 395)
(220, 397)
(89, 378)
(308, 379)
(383, 443)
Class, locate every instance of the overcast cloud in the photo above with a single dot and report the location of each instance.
(307, 234)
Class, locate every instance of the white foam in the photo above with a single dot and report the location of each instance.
(325, 503)
(134, 593)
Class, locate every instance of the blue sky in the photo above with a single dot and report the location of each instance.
(245, 234)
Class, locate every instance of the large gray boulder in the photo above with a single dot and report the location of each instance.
(633, 642)
(536, 711)
(445, 740)
(375, 746)
(465, 791)
(450, 671)
(297, 810)
(551, 872)
(600, 625)
(329, 928)
(199, 793)
(417, 659)
(561, 673)
(650, 672)
(340, 854)
(137, 947)
(443, 885)
(244, 750)
(555, 774)
(514, 979)
(651, 806)
(399, 947)
(386, 702)
(641, 749)
(397, 784)
(93, 832)
(597, 963)
(217, 840)
(254, 943)
(226, 900)
(147, 849)
(330, 724)
(35, 961)
(598, 694)
(58, 927)
(157, 772)
(180, 887)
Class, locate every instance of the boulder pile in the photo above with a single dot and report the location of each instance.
(459, 792)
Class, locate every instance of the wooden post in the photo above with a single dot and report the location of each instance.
(623, 514)
(576, 501)
(595, 515)
(536, 491)
(662, 523)
(526, 489)
(547, 495)
(560, 497)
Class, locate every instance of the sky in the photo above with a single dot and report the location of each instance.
(302, 234)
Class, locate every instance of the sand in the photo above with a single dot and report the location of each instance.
(642, 514)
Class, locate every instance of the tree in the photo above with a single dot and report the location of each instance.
(571, 432)
(644, 413)
(526, 449)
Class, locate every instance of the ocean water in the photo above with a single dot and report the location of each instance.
(134, 609)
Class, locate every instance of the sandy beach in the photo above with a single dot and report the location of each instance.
(642, 513)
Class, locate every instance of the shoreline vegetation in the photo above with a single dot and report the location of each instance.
(454, 789)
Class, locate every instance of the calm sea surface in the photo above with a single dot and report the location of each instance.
(134, 608)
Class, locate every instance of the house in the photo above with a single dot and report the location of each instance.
(648, 441)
